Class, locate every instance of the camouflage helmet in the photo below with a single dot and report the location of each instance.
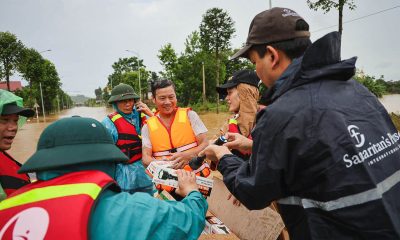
(122, 92)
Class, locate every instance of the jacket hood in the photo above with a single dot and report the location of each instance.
(321, 61)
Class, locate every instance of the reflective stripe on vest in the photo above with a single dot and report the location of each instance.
(234, 128)
(129, 141)
(179, 149)
(346, 201)
(46, 193)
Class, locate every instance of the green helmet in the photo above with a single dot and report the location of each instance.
(73, 141)
(122, 92)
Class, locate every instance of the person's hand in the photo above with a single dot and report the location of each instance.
(234, 200)
(142, 107)
(214, 152)
(238, 141)
(180, 159)
(186, 182)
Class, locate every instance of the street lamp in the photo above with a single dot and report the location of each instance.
(138, 56)
(48, 50)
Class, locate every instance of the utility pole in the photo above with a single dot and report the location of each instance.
(41, 95)
(270, 4)
(217, 85)
(58, 104)
(204, 84)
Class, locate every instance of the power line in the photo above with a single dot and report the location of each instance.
(352, 20)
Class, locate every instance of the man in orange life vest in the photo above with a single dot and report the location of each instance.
(242, 94)
(76, 196)
(124, 125)
(12, 113)
(175, 134)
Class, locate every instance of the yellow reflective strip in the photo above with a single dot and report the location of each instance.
(234, 121)
(50, 192)
(182, 115)
(116, 117)
(151, 122)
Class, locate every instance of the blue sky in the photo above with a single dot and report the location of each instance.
(87, 36)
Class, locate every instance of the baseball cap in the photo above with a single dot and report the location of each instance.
(242, 76)
(13, 108)
(273, 25)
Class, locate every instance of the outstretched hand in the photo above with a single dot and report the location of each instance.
(214, 152)
(238, 141)
(186, 182)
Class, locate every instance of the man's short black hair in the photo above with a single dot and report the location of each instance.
(292, 48)
(158, 84)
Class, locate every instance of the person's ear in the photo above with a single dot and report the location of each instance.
(273, 56)
(153, 99)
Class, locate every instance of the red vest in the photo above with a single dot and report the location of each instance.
(129, 141)
(9, 178)
(59, 208)
(234, 128)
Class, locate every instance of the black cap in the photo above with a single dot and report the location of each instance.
(274, 25)
(13, 108)
(242, 76)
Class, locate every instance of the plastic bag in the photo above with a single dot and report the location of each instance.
(133, 178)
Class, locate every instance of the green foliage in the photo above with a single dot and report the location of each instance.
(209, 106)
(327, 5)
(374, 86)
(98, 93)
(126, 71)
(392, 87)
(10, 49)
(168, 60)
(216, 30)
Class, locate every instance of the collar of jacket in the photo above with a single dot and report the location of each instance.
(321, 61)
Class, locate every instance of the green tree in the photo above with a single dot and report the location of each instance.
(169, 60)
(216, 31)
(126, 71)
(327, 5)
(374, 86)
(30, 65)
(98, 93)
(10, 49)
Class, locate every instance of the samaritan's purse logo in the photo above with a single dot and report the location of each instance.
(30, 224)
(354, 133)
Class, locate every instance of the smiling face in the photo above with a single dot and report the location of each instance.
(8, 130)
(233, 100)
(126, 106)
(165, 100)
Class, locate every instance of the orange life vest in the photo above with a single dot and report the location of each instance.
(59, 208)
(129, 141)
(178, 138)
(9, 178)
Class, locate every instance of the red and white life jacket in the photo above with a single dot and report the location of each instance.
(59, 208)
(129, 141)
(10, 179)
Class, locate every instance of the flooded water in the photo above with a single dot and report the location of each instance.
(391, 103)
(27, 137)
(25, 143)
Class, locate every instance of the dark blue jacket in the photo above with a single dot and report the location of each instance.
(326, 149)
